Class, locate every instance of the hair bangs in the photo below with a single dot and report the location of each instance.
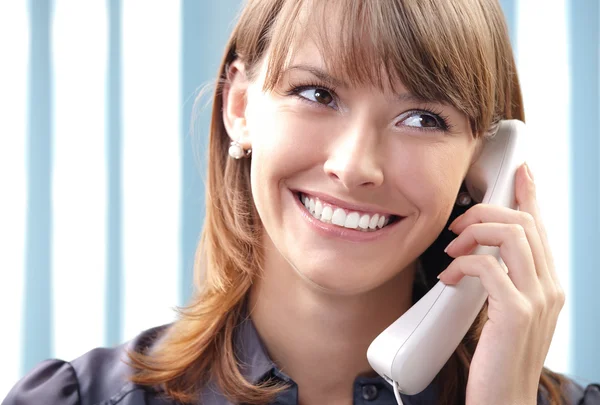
(439, 51)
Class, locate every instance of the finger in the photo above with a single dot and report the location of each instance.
(525, 194)
(487, 268)
(486, 213)
(514, 251)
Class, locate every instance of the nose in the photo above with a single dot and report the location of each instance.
(355, 159)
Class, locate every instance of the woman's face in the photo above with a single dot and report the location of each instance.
(357, 154)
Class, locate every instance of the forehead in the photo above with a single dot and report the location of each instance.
(365, 44)
(323, 51)
(308, 59)
(449, 52)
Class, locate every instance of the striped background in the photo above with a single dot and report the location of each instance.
(101, 192)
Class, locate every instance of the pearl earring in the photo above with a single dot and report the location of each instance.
(236, 150)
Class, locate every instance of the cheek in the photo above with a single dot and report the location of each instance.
(285, 142)
(284, 127)
(283, 145)
(429, 176)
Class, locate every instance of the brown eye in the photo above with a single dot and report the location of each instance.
(323, 96)
(428, 121)
(423, 120)
(316, 95)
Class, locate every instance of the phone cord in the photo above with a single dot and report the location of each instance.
(397, 394)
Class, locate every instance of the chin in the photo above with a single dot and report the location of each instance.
(339, 281)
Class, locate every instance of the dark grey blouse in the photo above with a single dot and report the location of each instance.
(99, 377)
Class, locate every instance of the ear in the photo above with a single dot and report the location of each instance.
(235, 92)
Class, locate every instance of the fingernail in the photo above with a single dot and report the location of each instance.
(529, 173)
(439, 275)
(454, 222)
(449, 244)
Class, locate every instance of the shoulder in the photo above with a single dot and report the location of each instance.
(576, 394)
(99, 377)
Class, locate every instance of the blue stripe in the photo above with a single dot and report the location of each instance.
(37, 333)
(510, 12)
(206, 27)
(192, 187)
(114, 289)
(585, 183)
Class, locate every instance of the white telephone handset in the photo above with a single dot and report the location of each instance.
(412, 351)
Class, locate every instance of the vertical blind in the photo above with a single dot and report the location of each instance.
(101, 190)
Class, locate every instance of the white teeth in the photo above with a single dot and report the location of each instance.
(374, 220)
(340, 217)
(352, 220)
(364, 221)
(318, 209)
(327, 214)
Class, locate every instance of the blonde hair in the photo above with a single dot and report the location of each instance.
(456, 52)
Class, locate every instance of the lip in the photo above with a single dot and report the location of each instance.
(351, 235)
(361, 209)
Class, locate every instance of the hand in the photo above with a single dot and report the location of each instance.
(523, 304)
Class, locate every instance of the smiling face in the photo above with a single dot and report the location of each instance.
(353, 154)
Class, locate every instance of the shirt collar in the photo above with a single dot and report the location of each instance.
(255, 364)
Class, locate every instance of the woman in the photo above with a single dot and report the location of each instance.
(340, 138)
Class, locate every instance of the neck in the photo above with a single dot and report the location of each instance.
(320, 339)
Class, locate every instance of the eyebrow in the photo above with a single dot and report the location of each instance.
(334, 82)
